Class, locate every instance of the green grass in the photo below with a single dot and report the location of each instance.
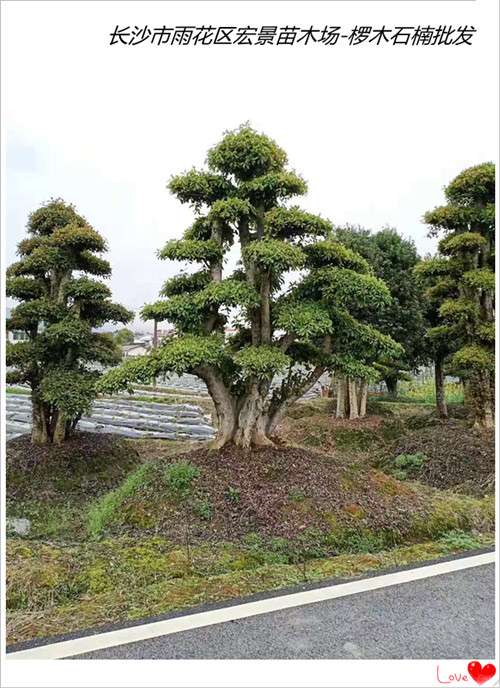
(70, 573)
(62, 589)
(106, 509)
(17, 390)
(425, 393)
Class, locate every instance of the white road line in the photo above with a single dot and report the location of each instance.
(68, 648)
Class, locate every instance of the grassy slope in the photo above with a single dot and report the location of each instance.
(93, 556)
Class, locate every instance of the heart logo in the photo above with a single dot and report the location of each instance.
(479, 673)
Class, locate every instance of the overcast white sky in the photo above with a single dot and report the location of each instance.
(377, 132)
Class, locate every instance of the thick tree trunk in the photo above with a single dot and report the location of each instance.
(225, 408)
(392, 386)
(442, 409)
(252, 420)
(363, 397)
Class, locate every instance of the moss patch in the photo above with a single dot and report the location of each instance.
(62, 589)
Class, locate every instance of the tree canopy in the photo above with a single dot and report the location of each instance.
(123, 336)
(393, 258)
(60, 305)
(460, 282)
(289, 335)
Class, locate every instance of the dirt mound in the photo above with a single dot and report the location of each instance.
(457, 456)
(274, 493)
(87, 464)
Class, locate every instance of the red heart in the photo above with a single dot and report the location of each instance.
(481, 674)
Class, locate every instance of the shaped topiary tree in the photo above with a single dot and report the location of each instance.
(290, 336)
(60, 306)
(461, 284)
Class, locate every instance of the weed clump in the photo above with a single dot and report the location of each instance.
(179, 477)
(408, 465)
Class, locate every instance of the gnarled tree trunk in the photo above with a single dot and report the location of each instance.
(250, 420)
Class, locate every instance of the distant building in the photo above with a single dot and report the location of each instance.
(16, 336)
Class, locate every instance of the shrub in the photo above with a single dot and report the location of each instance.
(363, 540)
(408, 465)
(203, 508)
(459, 540)
(180, 476)
(233, 494)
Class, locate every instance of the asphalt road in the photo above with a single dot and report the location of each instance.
(450, 616)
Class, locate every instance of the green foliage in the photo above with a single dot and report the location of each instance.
(348, 288)
(305, 319)
(230, 210)
(123, 336)
(184, 283)
(461, 310)
(182, 309)
(482, 279)
(178, 355)
(291, 223)
(203, 509)
(408, 465)
(261, 361)
(60, 305)
(473, 358)
(464, 298)
(70, 391)
(486, 333)
(333, 253)
(230, 293)
(191, 250)
(233, 494)
(246, 154)
(459, 540)
(392, 259)
(475, 185)
(463, 242)
(452, 512)
(199, 187)
(272, 254)
(316, 323)
(268, 188)
(180, 476)
(425, 393)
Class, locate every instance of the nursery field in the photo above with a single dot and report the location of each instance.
(322, 408)
(120, 529)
